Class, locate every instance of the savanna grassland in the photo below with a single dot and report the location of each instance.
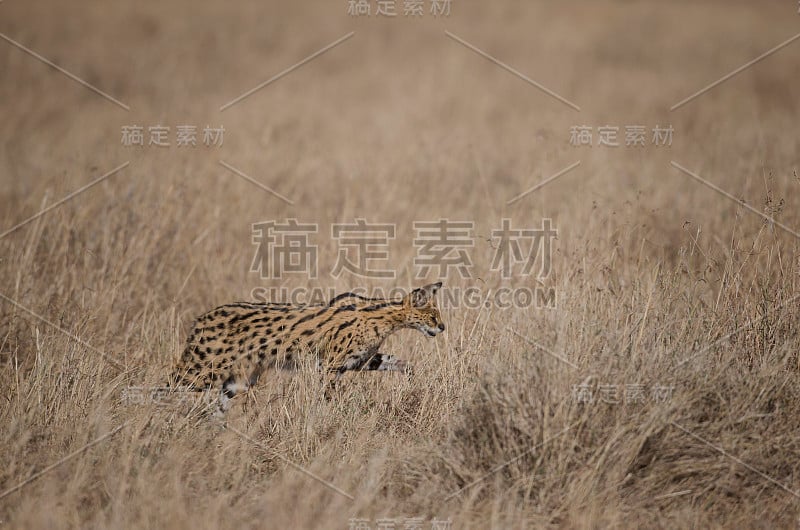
(514, 417)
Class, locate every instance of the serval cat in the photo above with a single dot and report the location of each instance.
(231, 346)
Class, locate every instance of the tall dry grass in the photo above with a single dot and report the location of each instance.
(661, 282)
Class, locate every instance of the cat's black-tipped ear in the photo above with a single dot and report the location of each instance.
(432, 288)
(423, 296)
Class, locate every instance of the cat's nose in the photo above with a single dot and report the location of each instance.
(441, 327)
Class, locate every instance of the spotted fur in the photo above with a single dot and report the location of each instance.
(231, 346)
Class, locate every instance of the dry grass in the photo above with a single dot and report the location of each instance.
(399, 124)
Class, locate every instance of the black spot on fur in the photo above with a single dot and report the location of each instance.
(377, 306)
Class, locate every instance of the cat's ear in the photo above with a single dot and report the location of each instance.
(424, 295)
